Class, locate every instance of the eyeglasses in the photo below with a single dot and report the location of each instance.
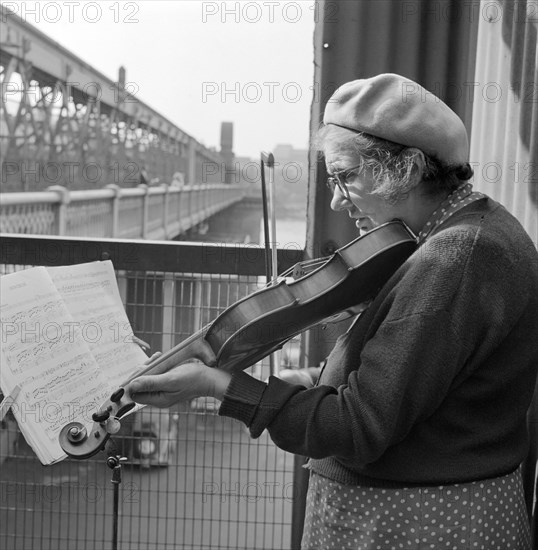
(339, 179)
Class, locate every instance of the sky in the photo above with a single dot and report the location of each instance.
(200, 63)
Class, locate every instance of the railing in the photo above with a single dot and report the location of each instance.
(208, 485)
(143, 212)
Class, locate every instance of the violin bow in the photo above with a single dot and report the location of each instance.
(269, 214)
(267, 239)
(267, 159)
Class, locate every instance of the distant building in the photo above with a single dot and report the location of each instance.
(226, 151)
(291, 178)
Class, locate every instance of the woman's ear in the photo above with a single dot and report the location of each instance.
(418, 164)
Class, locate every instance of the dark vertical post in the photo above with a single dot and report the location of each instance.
(300, 488)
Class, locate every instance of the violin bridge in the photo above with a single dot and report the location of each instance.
(298, 271)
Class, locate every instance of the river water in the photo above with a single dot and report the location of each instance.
(290, 233)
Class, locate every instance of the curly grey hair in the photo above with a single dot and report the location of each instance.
(393, 165)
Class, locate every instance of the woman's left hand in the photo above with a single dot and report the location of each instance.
(183, 383)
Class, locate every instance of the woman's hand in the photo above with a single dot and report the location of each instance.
(306, 377)
(183, 383)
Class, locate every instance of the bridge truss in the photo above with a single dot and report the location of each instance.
(62, 122)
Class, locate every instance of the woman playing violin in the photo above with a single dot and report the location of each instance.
(417, 426)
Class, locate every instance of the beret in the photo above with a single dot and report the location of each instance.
(394, 108)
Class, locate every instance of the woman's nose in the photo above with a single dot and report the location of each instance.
(339, 200)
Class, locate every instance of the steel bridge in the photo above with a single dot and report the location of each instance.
(75, 147)
(65, 123)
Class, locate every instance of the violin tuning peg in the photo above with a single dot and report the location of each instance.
(117, 395)
(101, 416)
(113, 425)
(125, 409)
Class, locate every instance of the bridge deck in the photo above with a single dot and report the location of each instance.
(162, 212)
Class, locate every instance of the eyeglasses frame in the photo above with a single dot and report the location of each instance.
(334, 180)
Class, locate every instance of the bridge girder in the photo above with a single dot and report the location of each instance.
(62, 122)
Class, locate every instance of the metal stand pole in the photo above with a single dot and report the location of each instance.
(114, 463)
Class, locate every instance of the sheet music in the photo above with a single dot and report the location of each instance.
(67, 342)
(44, 352)
(91, 294)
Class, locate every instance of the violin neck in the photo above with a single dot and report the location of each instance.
(194, 347)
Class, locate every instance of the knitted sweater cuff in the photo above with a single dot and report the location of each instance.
(242, 398)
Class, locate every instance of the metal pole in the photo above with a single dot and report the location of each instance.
(114, 463)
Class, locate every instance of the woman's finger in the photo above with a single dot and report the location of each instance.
(155, 399)
(149, 384)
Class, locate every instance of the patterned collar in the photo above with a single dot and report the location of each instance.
(459, 198)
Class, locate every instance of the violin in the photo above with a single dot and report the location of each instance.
(265, 320)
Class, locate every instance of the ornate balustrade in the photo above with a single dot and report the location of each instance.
(143, 212)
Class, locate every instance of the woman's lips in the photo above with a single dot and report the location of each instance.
(364, 224)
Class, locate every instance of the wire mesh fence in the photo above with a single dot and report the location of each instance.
(192, 479)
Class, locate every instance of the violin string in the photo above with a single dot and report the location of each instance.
(304, 267)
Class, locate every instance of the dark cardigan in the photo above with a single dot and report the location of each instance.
(432, 383)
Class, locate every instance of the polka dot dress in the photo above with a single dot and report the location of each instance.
(459, 198)
(482, 515)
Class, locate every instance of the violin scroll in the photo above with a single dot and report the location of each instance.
(74, 438)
